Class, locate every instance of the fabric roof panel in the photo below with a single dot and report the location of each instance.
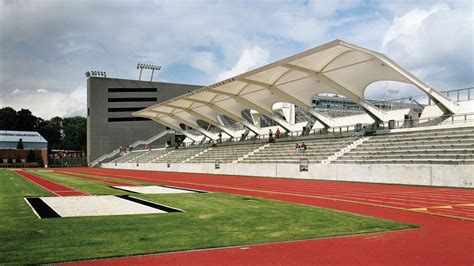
(182, 103)
(320, 59)
(303, 89)
(268, 76)
(265, 99)
(163, 108)
(353, 78)
(346, 59)
(231, 87)
(251, 88)
(203, 96)
(290, 76)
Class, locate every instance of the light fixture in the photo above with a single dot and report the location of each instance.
(94, 73)
(147, 66)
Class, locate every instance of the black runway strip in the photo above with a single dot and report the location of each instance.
(150, 204)
(126, 190)
(186, 189)
(42, 209)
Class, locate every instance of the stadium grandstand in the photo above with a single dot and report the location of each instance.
(256, 124)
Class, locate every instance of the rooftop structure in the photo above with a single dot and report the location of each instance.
(31, 140)
(336, 67)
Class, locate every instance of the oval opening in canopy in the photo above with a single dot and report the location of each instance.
(386, 91)
(335, 105)
(207, 126)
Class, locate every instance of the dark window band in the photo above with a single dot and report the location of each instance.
(141, 99)
(132, 89)
(127, 119)
(125, 109)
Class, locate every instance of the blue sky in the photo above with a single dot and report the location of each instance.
(46, 46)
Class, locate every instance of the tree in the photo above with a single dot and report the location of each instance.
(7, 118)
(19, 146)
(31, 157)
(75, 133)
(26, 121)
(51, 131)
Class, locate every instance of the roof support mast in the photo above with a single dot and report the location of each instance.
(326, 121)
(222, 111)
(227, 131)
(257, 108)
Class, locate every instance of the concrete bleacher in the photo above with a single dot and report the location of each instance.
(225, 154)
(152, 155)
(318, 149)
(449, 146)
(179, 155)
(128, 157)
(436, 146)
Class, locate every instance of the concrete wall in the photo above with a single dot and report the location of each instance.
(104, 135)
(427, 175)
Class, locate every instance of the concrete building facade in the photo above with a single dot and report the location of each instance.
(110, 103)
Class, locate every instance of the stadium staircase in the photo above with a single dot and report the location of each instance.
(114, 155)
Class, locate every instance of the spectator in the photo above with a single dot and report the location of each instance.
(270, 135)
(277, 133)
(168, 143)
(302, 148)
(220, 137)
(295, 151)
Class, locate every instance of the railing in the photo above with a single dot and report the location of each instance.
(133, 145)
(348, 129)
(464, 94)
(459, 119)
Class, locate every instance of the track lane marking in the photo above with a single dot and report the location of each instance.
(288, 194)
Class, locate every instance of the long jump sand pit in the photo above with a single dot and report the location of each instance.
(49, 207)
(157, 189)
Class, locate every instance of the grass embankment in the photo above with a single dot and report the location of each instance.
(210, 220)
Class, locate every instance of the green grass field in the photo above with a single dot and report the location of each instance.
(210, 220)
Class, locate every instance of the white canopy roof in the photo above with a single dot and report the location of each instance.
(335, 67)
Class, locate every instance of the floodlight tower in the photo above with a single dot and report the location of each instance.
(147, 66)
(93, 73)
(153, 68)
(140, 66)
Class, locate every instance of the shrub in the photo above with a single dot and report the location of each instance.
(31, 157)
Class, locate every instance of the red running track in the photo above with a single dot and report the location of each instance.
(449, 202)
(54, 188)
(440, 241)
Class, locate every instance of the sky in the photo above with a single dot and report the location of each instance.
(46, 46)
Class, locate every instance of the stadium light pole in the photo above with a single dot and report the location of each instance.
(153, 68)
(147, 66)
(140, 66)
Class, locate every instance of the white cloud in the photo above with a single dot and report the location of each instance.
(326, 8)
(435, 43)
(249, 59)
(409, 23)
(47, 104)
(206, 62)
